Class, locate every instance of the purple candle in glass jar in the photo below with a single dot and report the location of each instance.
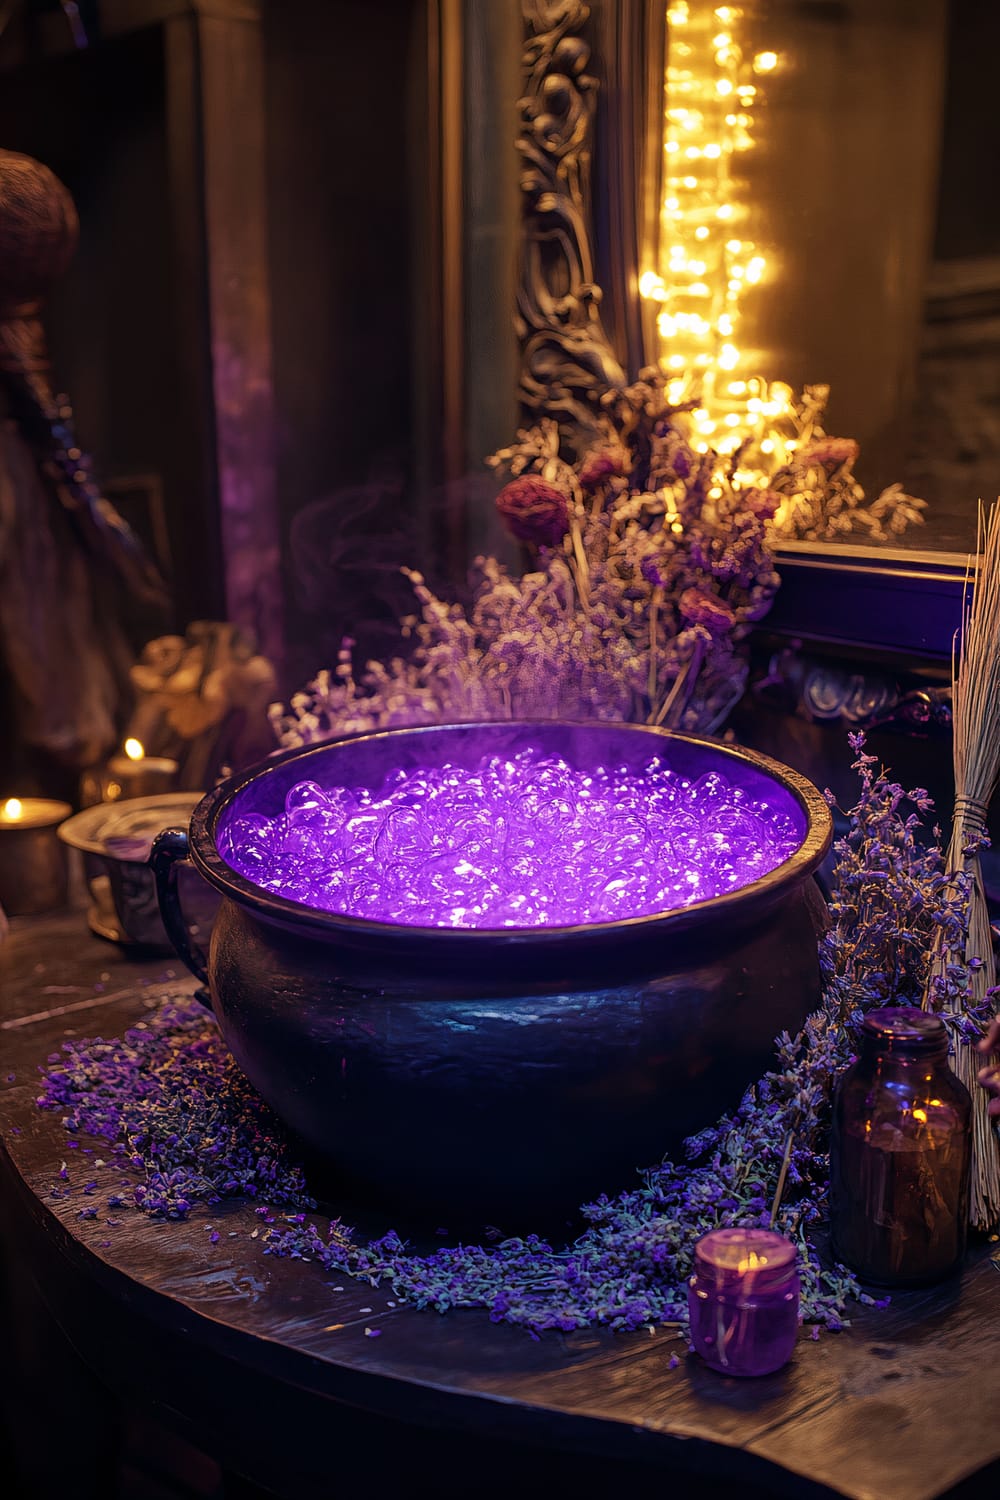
(744, 1300)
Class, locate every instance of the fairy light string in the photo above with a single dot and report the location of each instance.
(709, 263)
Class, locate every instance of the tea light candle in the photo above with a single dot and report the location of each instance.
(744, 1300)
(33, 867)
(131, 774)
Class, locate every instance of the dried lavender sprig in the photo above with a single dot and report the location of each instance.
(179, 1112)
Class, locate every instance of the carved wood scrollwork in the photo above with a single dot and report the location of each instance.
(567, 357)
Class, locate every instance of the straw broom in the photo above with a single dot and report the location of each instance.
(976, 724)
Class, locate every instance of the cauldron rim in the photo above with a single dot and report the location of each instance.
(756, 898)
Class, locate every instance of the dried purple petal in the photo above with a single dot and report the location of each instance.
(601, 465)
(701, 608)
(762, 503)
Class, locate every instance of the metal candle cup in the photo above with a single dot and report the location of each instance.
(114, 840)
(33, 867)
(744, 1300)
(128, 776)
(146, 777)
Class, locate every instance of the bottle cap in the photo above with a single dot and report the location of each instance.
(905, 1029)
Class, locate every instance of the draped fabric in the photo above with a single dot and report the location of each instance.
(68, 563)
(65, 654)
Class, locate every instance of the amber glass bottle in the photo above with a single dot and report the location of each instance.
(899, 1154)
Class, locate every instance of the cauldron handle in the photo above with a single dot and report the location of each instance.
(171, 848)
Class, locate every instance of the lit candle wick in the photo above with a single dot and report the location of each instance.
(134, 749)
(751, 1262)
(13, 809)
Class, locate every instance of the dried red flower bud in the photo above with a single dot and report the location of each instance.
(831, 452)
(534, 511)
(699, 608)
(598, 468)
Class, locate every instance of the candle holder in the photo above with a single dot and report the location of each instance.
(744, 1300)
(129, 776)
(34, 873)
(115, 839)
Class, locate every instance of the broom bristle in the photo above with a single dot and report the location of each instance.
(976, 727)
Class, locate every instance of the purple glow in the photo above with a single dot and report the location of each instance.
(519, 841)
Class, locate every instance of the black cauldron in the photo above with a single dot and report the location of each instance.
(508, 1074)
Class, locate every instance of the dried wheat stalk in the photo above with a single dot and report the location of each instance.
(976, 715)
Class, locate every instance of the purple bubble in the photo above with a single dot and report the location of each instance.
(520, 841)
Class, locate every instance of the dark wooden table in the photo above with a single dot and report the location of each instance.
(265, 1365)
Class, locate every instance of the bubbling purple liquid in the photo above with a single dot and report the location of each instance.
(524, 840)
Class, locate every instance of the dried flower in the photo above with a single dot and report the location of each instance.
(763, 503)
(594, 630)
(534, 511)
(831, 452)
(700, 608)
(601, 465)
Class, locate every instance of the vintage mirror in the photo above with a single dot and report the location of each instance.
(781, 205)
